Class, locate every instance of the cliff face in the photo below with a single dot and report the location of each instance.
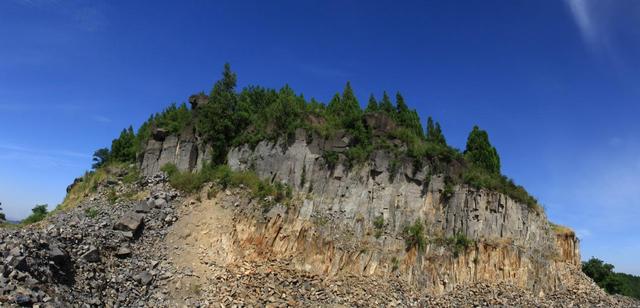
(184, 150)
(336, 227)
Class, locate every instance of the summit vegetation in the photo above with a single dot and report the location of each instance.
(233, 117)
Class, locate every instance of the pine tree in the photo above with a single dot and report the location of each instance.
(386, 105)
(373, 104)
(434, 132)
(216, 119)
(123, 149)
(480, 153)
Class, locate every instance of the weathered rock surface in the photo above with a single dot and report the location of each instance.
(512, 242)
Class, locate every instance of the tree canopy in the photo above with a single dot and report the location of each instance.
(480, 153)
(231, 118)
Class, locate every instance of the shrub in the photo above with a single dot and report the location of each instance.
(448, 191)
(378, 224)
(331, 157)
(91, 212)
(460, 244)
(414, 237)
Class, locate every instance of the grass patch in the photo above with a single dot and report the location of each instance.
(458, 243)
(190, 182)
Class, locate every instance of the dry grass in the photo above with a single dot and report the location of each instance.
(562, 230)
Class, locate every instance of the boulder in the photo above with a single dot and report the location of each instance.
(197, 100)
(123, 252)
(58, 256)
(131, 221)
(93, 255)
(143, 278)
(142, 207)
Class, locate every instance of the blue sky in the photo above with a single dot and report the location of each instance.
(556, 84)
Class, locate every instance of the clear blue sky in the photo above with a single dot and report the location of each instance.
(556, 84)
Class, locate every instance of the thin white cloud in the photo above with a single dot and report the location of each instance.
(88, 15)
(23, 149)
(583, 14)
(101, 119)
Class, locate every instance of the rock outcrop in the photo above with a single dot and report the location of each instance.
(183, 150)
(333, 229)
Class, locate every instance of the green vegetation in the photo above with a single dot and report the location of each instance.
(378, 224)
(448, 191)
(91, 212)
(414, 236)
(614, 283)
(2, 216)
(395, 264)
(458, 243)
(254, 114)
(268, 194)
(38, 213)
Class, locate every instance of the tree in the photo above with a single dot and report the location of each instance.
(123, 149)
(434, 133)
(603, 275)
(2, 216)
(373, 104)
(38, 213)
(480, 153)
(386, 105)
(407, 118)
(216, 118)
(100, 157)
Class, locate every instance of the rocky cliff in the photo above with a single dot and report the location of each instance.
(354, 219)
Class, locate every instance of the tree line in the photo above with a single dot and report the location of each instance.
(255, 113)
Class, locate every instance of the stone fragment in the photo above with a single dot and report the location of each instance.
(93, 255)
(132, 222)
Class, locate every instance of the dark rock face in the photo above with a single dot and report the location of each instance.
(197, 100)
(159, 134)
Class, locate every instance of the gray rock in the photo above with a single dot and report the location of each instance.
(132, 222)
(58, 256)
(93, 255)
(142, 207)
(123, 252)
(143, 278)
(23, 300)
(159, 203)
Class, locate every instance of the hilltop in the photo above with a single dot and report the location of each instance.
(262, 198)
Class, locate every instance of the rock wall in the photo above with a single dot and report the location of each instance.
(332, 230)
(184, 150)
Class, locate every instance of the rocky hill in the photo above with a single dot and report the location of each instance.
(322, 211)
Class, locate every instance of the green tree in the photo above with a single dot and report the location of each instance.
(603, 275)
(286, 112)
(407, 118)
(216, 118)
(386, 105)
(38, 213)
(480, 153)
(100, 157)
(373, 104)
(2, 216)
(434, 132)
(123, 149)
